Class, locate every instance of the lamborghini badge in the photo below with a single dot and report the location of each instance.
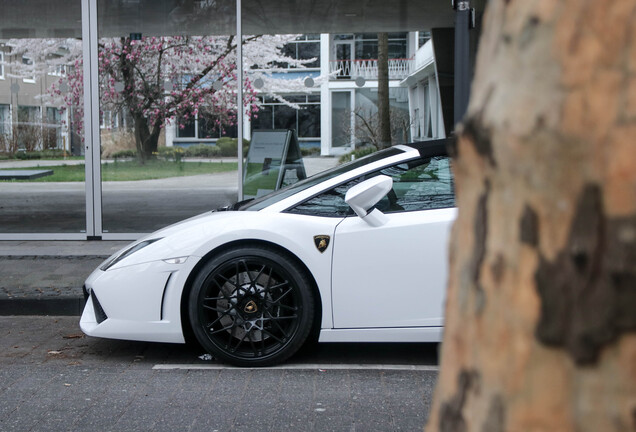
(321, 242)
(250, 307)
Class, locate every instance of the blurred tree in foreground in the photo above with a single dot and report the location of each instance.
(541, 312)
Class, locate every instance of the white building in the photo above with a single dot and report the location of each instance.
(337, 109)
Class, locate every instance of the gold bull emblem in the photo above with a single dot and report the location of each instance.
(250, 307)
(321, 242)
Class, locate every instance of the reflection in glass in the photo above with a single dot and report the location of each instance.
(367, 121)
(341, 118)
(179, 93)
(177, 157)
(41, 149)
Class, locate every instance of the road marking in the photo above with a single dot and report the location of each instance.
(321, 367)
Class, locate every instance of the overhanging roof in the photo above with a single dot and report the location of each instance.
(62, 18)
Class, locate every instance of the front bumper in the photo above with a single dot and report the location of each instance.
(139, 302)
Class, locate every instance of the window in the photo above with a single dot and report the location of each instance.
(305, 47)
(422, 184)
(108, 119)
(58, 70)
(428, 121)
(366, 127)
(1, 65)
(366, 45)
(5, 120)
(274, 114)
(29, 115)
(204, 126)
(29, 62)
(341, 119)
(187, 128)
(328, 204)
(29, 128)
(418, 122)
(424, 110)
(52, 129)
(422, 38)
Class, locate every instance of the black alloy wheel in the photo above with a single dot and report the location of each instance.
(251, 306)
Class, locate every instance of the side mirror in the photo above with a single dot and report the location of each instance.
(365, 195)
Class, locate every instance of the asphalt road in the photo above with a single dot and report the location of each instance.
(52, 378)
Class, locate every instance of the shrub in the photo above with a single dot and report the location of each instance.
(228, 146)
(29, 137)
(310, 151)
(358, 153)
(9, 143)
(202, 150)
(23, 155)
(124, 154)
(53, 154)
(166, 153)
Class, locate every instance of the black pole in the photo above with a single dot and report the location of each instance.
(463, 66)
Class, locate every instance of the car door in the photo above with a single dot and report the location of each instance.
(394, 275)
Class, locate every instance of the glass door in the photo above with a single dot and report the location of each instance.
(342, 126)
(343, 55)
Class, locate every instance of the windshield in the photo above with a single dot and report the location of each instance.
(281, 194)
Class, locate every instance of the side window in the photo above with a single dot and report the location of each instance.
(422, 184)
(330, 203)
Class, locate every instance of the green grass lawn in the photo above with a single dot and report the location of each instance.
(132, 170)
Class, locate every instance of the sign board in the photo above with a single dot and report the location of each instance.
(273, 161)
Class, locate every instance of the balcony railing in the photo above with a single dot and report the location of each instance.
(368, 69)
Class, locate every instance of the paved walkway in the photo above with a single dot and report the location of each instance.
(46, 278)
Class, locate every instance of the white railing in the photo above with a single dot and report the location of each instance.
(368, 69)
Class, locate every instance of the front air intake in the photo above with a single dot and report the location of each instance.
(100, 315)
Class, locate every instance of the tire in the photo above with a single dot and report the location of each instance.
(251, 306)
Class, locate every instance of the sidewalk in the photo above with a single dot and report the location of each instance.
(46, 277)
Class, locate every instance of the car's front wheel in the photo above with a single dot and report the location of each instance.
(251, 306)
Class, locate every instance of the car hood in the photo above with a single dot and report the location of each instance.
(185, 238)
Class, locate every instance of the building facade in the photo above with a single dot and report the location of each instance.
(337, 111)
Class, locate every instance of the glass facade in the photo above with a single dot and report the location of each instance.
(305, 48)
(167, 82)
(42, 181)
(154, 141)
(304, 116)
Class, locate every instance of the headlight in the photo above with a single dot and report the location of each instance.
(126, 253)
(179, 260)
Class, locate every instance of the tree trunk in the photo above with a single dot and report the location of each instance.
(541, 309)
(146, 141)
(384, 113)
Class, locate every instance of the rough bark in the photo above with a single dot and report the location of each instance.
(541, 311)
(384, 109)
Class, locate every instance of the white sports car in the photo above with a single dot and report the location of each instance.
(357, 253)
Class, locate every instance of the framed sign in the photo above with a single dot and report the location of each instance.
(273, 161)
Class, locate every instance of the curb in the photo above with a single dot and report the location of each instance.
(53, 257)
(44, 296)
(64, 306)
